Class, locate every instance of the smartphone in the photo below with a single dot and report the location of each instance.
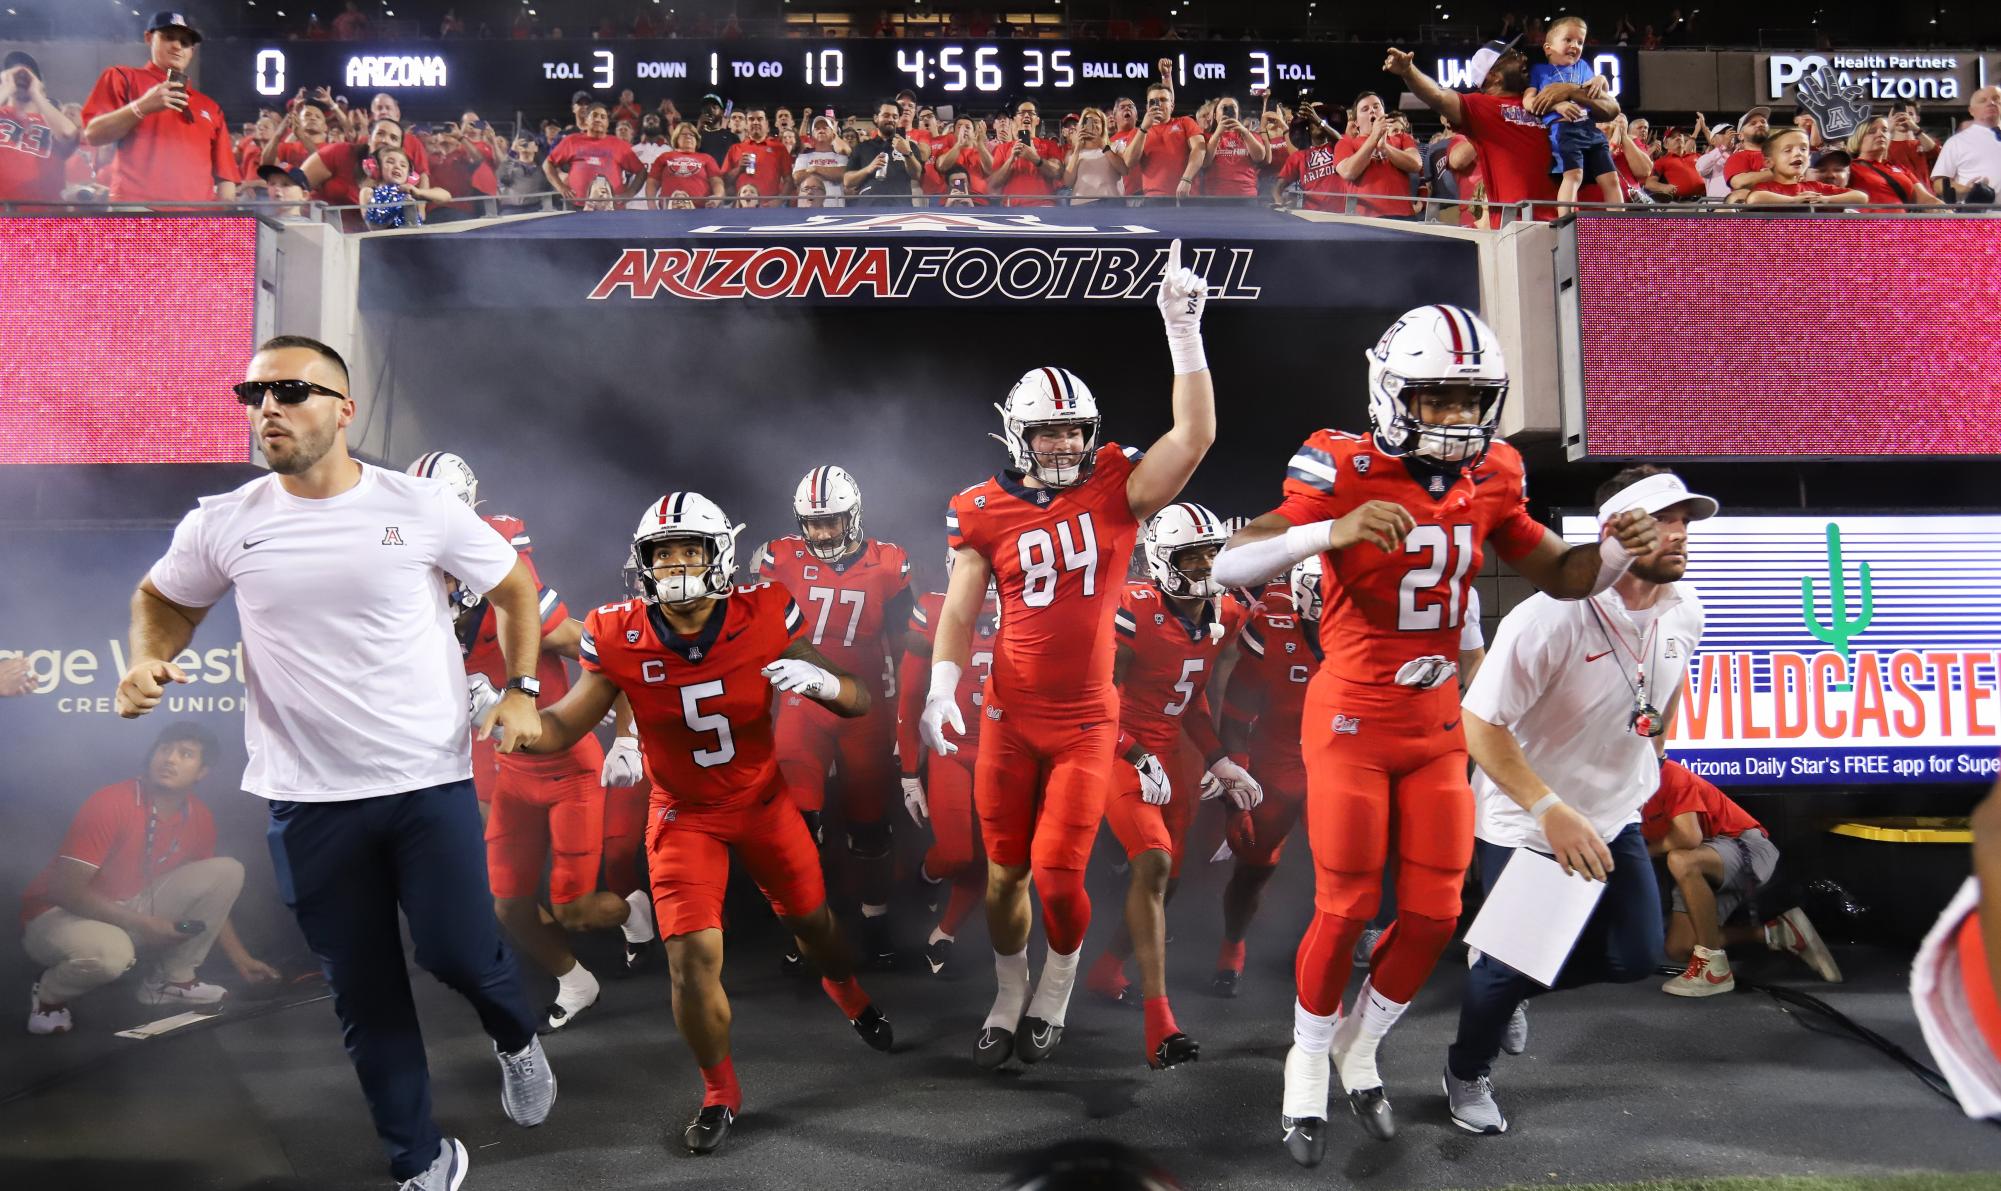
(958, 184)
(191, 926)
(1023, 136)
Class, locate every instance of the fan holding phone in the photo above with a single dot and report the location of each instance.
(172, 141)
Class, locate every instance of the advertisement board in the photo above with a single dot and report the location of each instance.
(1842, 649)
(1732, 337)
(134, 332)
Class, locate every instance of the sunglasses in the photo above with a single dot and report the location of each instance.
(288, 392)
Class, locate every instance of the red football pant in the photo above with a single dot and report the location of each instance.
(1396, 774)
(485, 768)
(624, 836)
(809, 738)
(534, 820)
(1040, 787)
(1273, 819)
(955, 843)
(1142, 827)
(688, 856)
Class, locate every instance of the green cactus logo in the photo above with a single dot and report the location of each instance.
(1838, 629)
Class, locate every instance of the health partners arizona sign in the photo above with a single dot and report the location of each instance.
(1946, 77)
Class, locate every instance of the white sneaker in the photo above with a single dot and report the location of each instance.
(1515, 1039)
(1791, 932)
(155, 991)
(1708, 973)
(46, 1019)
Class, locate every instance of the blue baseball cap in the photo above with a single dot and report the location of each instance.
(173, 20)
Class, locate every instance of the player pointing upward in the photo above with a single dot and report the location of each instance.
(1055, 531)
(1400, 516)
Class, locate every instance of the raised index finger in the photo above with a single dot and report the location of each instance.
(1173, 256)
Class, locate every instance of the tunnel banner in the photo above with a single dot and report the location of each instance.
(1842, 649)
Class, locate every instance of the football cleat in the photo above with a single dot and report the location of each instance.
(639, 956)
(793, 963)
(1225, 983)
(1305, 1139)
(874, 1029)
(1175, 1049)
(939, 957)
(995, 1048)
(877, 950)
(1037, 1040)
(707, 1129)
(1372, 1107)
(1365, 946)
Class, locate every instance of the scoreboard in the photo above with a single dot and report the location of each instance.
(440, 78)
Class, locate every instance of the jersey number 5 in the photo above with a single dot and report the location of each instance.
(691, 711)
(1421, 605)
(1079, 546)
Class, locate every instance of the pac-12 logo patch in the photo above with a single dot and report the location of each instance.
(632, 636)
(1362, 464)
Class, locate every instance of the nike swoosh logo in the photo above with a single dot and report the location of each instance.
(1041, 1036)
(1713, 978)
(1592, 657)
(936, 967)
(1450, 726)
(247, 543)
(986, 1042)
(733, 636)
(1478, 480)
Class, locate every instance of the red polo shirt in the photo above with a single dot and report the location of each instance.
(1164, 156)
(1379, 178)
(170, 156)
(109, 834)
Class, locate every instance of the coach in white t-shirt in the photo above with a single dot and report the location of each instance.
(356, 726)
(1565, 722)
(1972, 157)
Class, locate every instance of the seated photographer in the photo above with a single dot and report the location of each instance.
(1720, 857)
(137, 874)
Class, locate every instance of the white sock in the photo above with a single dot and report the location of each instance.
(576, 988)
(1358, 1035)
(1011, 973)
(938, 935)
(1052, 991)
(869, 911)
(638, 924)
(1311, 1032)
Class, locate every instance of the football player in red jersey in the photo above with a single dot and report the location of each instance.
(1054, 532)
(699, 658)
(542, 813)
(1400, 516)
(856, 596)
(938, 789)
(1172, 630)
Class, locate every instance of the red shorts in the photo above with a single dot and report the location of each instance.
(1273, 819)
(811, 739)
(1040, 786)
(535, 819)
(955, 828)
(1142, 827)
(1384, 762)
(688, 856)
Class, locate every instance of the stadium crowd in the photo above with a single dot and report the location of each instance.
(1501, 150)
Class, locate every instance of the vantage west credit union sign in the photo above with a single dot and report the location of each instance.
(1884, 77)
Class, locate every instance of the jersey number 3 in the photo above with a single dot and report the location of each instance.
(1421, 605)
(1078, 543)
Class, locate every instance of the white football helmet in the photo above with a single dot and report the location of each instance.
(828, 494)
(1306, 588)
(1049, 397)
(681, 515)
(1180, 527)
(454, 471)
(1429, 346)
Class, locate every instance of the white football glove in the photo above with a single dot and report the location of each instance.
(1242, 788)
(941, 707)
(1426, 672)
(1181, 297)
(622, 764)
(1212, 787)
(913, 799)
(797, 675)
(1153, 785)
(481, 697)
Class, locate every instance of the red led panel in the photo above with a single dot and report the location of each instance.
(122, 336)
(1790, 336)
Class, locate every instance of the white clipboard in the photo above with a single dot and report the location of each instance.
(1533, 915)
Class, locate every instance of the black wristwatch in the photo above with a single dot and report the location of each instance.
(528, 685)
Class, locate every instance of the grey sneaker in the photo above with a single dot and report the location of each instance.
(527, 1085)
(1472, 1105)
(1365, 945)
(1516, 1039)
(446, 1172)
